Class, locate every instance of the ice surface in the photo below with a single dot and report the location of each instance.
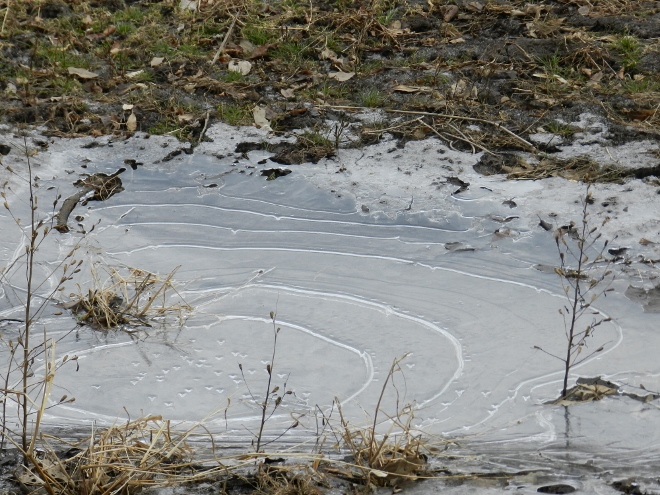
(353, 287)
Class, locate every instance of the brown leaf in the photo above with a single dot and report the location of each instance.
(261, 51)
(640, 115)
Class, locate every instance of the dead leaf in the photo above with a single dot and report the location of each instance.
(156, 61)
(458, 88)
(242, 67)
(188, 4)
(133, 74)
(82, 73)
(106, 32)
(185, 118)
(131, 122)
(475, 6)
(341, 75)
(327, 54)
(457, 40)
(260, 120)
(127, 107)
(247, 46)
(450, 13)
(261, 51)
(419, 133)
(458, 247)
(640, 115)
(287, 93)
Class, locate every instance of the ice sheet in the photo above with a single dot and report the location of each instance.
(353, 288)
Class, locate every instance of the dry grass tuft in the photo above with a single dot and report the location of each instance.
(122, 459)
(128, 297)
(292, 480)
(387, 459)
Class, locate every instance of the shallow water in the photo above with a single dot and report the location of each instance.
(352, 290)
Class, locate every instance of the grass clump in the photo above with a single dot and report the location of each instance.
(126, 298)
(560, 128)
(235, 114)
(372, 98)
(258, 35)
(233, 77)
(630, 49)
(648, 84)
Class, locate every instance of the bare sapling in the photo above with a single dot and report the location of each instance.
(585, 276)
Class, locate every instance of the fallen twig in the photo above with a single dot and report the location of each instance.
(221, 48)
(441, 115)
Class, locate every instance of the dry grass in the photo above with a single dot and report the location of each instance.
(128, 297)
(121, 459)
(291, 480)
(390, 458)
(580, 169)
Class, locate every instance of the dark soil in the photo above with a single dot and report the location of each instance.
(524, 66)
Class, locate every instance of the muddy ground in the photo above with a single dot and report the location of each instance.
(460, 71)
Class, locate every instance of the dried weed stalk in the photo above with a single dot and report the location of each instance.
(22, 387)
(386, 459)
(273, 397)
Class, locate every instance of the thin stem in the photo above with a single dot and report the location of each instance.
(269, 369)
(25, 341)
(577, 298)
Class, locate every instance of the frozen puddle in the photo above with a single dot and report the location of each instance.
(359, 272)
